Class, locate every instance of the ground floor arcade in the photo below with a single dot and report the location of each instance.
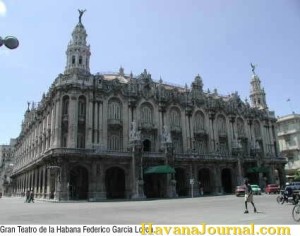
(102, 178)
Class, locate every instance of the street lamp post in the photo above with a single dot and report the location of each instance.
(10, 42)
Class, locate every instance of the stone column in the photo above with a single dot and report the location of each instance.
(104, 124)
(100, 122)
(52, 122)
(100, 183)
(57, 125)
(43, 192)
(73, 122)
(35, 184)
(89, 124)
(92, 182)
(96, 128)
(212, 131)
(48, 189)
(63, 182)
(218, 184)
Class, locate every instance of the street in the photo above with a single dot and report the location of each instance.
(227, 209)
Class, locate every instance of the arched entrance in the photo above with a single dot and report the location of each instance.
(154, 186)
(181, 182)
(79, 183)
(204, 178)
(226, 180)
(147, 145)
(115, 183)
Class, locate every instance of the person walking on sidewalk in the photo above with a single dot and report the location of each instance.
(27, 195)
(248, 196)
(31, 197)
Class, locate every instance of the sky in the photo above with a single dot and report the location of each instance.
(173, 39)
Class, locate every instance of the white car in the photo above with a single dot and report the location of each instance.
(256, 189)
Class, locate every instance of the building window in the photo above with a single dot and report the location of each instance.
(240, 128)
(221, 125)
(80, 141)
(65, 105)
(257, 130)
(81, 106)
(114, 110)
(114, 143)
(174, 118)
(146, 114)
(73, 60)
(64, 140)
(80, 60)
(147, 145)
(199, 122)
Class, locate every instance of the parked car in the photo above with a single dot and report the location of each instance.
(256, 189)
(240, 190)
(272, 188)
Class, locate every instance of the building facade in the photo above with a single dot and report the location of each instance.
(289, 142)
(103, 136)
(6, 166)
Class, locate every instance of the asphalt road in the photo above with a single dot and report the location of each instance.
(227, 209)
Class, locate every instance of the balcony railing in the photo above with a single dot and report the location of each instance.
(114, 123)
(147, 126)
(175, 128)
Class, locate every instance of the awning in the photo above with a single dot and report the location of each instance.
(163, 169)
(261, 169)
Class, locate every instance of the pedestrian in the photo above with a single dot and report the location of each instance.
(201, 189)
(248, 196)
(31, 197)
(27, 196)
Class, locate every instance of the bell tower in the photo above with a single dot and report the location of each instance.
(257, 94)
(78, 52)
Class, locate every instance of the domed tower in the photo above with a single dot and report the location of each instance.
(257, 94)
(78, 52)
(197, 84)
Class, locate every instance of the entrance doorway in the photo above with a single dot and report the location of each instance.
(226, 180)
(115, 183)
(79, 183)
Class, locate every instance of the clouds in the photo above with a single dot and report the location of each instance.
(2, 9)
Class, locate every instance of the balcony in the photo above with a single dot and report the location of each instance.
(114, 123)
(147, 126)
(222, 134)
(201, 133)
(175, 129)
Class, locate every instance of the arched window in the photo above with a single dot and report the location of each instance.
(257, 132)
(80, 60)
(114, 142)
(80, 140)
(175, 118)
(81, 106)
(64, 140)
(146, 114)
(221, 125)
(240, 127)
(114, 110)
(73, 60)
(65, 109)
(199, 121)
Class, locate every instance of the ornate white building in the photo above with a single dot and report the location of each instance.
(101, 136)
(289, 142)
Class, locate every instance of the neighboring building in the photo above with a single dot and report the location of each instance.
(101, 136)
(6, 165)
(289, 142)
